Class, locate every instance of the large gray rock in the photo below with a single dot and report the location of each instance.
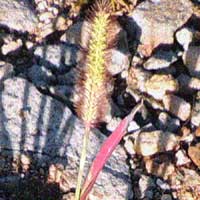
(33, 122)
(17, 15)
(156, 23)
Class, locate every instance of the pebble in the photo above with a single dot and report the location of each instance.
(146, 184)
(11, 46)
(133, 126)
(181, 158)
(191, 59)
(161, 59)
(162, 184)
(166, 197)
(197, 132)
(165, 122)
(149, 143)
(6, 70)
(177, 106)
(150, 18)
(160, 166)
(159, 85)
(184, 37)
(195, 119)
(194, 153)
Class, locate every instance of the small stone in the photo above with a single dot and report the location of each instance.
(55, 173)
(61, 23)
(166, 197)
(181, 158)
(149, 143)
(145, 185)
(129, 146)
(159, 85)
(112, 125)
(160, 60)
(11, 46)
(195, 119)
(133, 126)
(29, 45)
(161, 166)
(150, 18)
(197, 132)
(45, 16)
(165, 122)
(25, 159)
(137, 79)
(191, 60)
(177, 106)
(6, 70)
(194, 153)
(162, 184)
(184, 37)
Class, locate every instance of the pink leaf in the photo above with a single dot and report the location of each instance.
(105, 152)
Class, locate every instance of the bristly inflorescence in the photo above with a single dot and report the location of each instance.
(94, 78)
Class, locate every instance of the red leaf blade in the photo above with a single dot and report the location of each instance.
(105, 152)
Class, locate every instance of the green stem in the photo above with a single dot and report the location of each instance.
(82, 162)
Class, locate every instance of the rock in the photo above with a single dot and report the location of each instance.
(166, 197)
(133, 126)
(184, 37)
(149, 143)
(188, 84)
(17, 15)
(58, 58)
(52, 134)
(163, 185)
(165, 122)
(11, 46)
(177, 106)
(160, 60)
(78, 33)
(41, 76)
(137, 78)
(160, 166)
(194, 153)
(6, 70)
(149, 19)
(159, 85)
(181, 158)
(197, 132)
(145, 186)
(195, 118)
(113, 123)
(191, 60)
(186, 183)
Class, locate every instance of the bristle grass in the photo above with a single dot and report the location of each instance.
(93, 80)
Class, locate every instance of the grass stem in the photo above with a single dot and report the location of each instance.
(82, 163)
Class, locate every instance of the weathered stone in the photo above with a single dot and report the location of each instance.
(184, 37)
(186, 183)
(182, 158)
(11, 46)
(179, 107)
(160, 60)
(160, 166)
(17, 15)
(159, 85)
(33, 122)
(165, 122)
(194, 153)
(6, 70)
(195, 119)
(149, 143)
(155, 23)
(191, 60)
